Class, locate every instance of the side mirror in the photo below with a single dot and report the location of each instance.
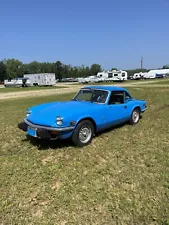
(128, 100)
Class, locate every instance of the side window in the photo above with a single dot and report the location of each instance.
(116, 97)
(127, 96)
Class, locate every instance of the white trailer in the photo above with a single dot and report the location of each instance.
(115, 75)
(102, 76)
(17, 82)
(91, 79)
(88, 79)
(152, 73)
(138, 76)
(41, 79)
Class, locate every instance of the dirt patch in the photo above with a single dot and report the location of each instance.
(37, 93)
(69, 89)
(56, 185)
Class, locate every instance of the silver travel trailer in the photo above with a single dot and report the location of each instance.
(17, 82)
(41, 79)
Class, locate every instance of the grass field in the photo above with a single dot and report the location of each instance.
(115, 82)
(145, 81)
(12, 89)
(122, 177)
(161, 81)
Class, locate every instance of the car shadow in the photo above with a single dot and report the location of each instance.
(113, 128)
(45, 144)
(110, 129)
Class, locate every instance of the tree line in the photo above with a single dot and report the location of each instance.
(13, 68)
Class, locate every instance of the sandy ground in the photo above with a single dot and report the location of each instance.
(70, 88)
(36, 93)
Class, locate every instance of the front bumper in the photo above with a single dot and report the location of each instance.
(143, 110)
(43, 132)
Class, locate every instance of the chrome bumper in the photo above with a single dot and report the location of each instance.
(48, 128)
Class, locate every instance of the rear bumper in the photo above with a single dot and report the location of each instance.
(43, 132)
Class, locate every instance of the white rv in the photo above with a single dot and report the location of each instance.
(138, 76)
(101, 76)
(41, 79)
(115, 75)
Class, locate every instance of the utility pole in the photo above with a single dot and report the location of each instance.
(141, 63)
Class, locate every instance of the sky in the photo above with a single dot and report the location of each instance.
(113, 33)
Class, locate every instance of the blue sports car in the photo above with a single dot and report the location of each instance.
(93, 109)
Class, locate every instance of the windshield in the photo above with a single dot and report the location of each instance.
(92, 95)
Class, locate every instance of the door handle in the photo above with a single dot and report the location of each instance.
(125, 107)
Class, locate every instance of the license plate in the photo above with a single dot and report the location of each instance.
(31, 131)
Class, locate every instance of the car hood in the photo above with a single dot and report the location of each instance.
(45, 114)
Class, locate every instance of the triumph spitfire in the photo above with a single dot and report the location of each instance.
(92, 110)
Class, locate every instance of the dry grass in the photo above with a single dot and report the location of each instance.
(164, 81)
(121, 178)
(20, 89)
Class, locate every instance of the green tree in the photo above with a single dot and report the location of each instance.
(166, 67)
(2, 71)
(59, 72)
(87, 71)
(132, 72)
(114, 68)
(13, 68)
(34, 67)
(95, 68)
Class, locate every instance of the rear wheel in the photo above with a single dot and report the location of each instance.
(135, 116)
(83, 133)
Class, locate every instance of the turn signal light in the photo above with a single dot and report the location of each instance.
(72, 122)
(53, 132)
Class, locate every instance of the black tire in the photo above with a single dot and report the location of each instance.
(78, 135)
(135, 116)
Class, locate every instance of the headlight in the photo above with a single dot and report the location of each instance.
(28, 113)
(59, 121)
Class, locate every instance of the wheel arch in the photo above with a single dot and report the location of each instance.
(91, 120)
(137, 107)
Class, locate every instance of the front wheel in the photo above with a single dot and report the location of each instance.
(135, 116)
(83, 133)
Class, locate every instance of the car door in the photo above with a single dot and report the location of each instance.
(117, 109)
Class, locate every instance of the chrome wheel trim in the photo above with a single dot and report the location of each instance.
(135, 116)
(85, 134)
